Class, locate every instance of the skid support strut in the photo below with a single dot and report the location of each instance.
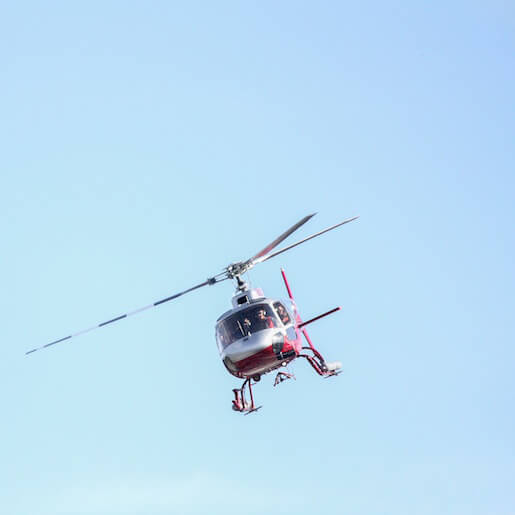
(323, 368)
(240, 402)
(282, 376)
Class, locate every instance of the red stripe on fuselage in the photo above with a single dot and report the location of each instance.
(262, 362)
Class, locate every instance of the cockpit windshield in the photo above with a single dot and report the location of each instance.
(250, 320)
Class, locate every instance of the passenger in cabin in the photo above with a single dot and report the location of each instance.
(264, 321)
(283, 315)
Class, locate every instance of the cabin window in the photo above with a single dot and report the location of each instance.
(250, 320)
(282, 312)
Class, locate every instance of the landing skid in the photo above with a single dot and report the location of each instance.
(240, 402)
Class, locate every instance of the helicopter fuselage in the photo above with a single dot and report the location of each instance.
(258, 335)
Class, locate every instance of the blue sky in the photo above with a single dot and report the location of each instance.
(147, 146)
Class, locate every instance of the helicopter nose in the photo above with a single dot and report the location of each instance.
(250, 345)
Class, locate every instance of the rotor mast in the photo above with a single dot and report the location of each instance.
(235, 271)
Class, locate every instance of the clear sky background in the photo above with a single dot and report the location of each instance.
(146, 145)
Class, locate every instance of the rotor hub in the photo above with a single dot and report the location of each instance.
(234, 270)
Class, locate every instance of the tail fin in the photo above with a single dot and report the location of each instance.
(290, 294)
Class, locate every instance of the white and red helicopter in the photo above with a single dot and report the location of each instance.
(259, 334)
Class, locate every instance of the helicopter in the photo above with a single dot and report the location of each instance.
(259, 334)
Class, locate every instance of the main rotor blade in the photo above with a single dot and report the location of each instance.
(210, 281)
(278, 240)
(280, 251)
